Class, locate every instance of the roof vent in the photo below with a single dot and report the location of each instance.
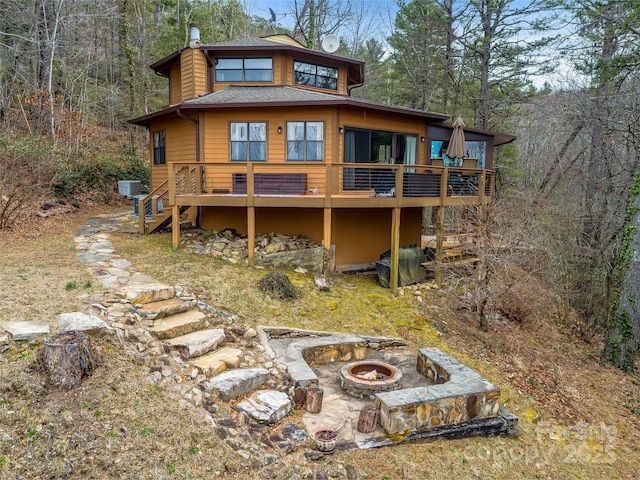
(194, 35)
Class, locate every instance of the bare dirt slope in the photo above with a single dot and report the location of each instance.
(579, 418)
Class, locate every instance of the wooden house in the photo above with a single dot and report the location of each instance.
(262, 135)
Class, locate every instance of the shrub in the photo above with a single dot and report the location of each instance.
(278, 285)
(100, 174)
(26, 168)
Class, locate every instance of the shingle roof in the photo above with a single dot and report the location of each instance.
(281, 96)
(285, 95)
(264, 94)
(246, 42)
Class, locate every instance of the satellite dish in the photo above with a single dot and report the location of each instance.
(330, 43)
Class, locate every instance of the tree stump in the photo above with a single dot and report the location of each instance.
(67, 358)
(368, 419)
(314, 400)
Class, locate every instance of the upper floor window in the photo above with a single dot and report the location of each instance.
(305, 141)
(315, 75)
(244, 70)
(159, 150)
(248, 141)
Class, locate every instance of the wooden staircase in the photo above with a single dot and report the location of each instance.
(457, 250)
(154, 211)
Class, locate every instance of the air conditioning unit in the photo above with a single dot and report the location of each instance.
(147, 206)
(129, 188)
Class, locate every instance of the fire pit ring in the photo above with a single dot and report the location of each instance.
(366, 378)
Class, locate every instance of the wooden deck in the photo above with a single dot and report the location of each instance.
(320, 186)
(326, 186)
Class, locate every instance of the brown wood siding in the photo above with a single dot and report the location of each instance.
(217, 145)
(297, 221)
(180, 145)
(361, 235)
(181, 141)
(175, 85)
(200, 71)
(186, 69)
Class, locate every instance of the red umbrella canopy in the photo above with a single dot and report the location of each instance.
(457, 148)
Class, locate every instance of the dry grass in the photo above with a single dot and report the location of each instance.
(577, 417)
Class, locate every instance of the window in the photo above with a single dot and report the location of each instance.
(244, 70)
(305, 141)
(315, 75)
(477, 150)
(249, 141)
(376, 146)
(159, 150)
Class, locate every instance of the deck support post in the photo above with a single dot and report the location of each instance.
(251, 234)
(439, 242)
(395, 249)
(326, 224)
(251, 215)
(175, 226)
(326, 229)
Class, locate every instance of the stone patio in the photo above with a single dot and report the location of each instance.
(440, 397)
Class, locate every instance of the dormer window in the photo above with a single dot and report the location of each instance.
(244, 70)
(315, 75)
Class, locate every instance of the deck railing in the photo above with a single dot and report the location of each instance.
(383, 184)
(152, 205)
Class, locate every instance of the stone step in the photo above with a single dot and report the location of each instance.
(234, 383)
(144, 289)
(218, 361)
(198, 343)
(163, 308)
(178, 324)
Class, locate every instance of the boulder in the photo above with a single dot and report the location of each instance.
(6, 340)
(82, 322)
(21, 331)
(266, 406)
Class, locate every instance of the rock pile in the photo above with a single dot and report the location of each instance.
(418, 290)
(227, 245)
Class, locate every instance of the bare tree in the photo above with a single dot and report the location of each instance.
(316, 18)
(623, 339)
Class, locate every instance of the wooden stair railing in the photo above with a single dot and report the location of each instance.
(151, 217)
(159, 214)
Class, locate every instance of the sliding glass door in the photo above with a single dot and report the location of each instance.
(375, 146)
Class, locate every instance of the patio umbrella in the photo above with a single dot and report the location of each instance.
(457, 148)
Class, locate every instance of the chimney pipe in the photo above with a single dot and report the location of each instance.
(194, 35)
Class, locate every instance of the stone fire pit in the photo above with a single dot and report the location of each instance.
(366, 378)
(418, 395)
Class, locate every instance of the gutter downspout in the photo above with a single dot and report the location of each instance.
(197, 122)
(357, 85)
(352, 87)
(207, 55)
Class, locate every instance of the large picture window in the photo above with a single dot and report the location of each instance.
(315, 75)
(244, 70)
(159, 148)
(305, 141)
(248, 141)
